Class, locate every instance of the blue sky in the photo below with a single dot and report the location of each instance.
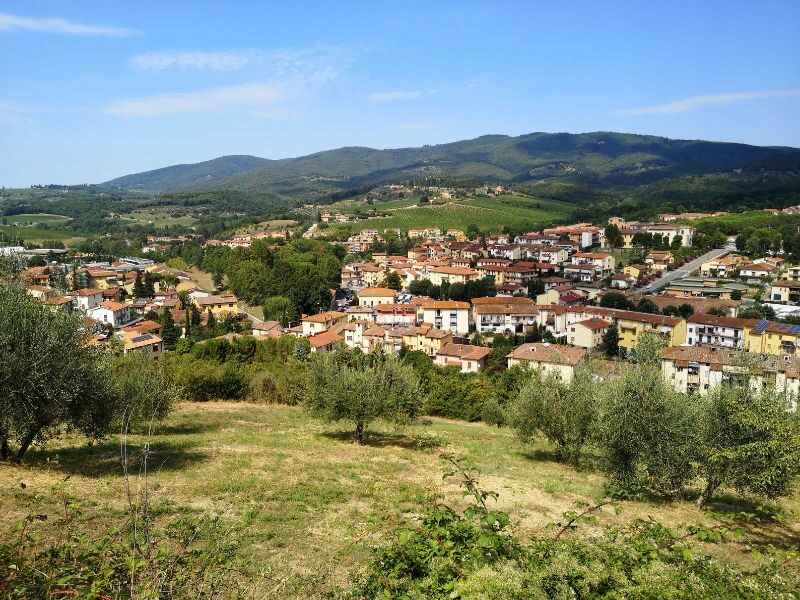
(91, 90)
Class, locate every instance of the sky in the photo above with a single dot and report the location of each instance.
(92, 90)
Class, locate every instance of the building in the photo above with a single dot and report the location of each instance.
(440, 275)
(725, 266)
(325, 341)
(375, 296)
(588, 333)
(395, 314)
(135, 340)
(449, 315)
(603, 264)
(227, 304)
(660, 260)
(698, 370)
(784, 291)
(704, 287)
(632, 324)
(314, 324)
(552, 359)
(709, 330)
(265, 329)
(468, 359)
(504, 314)
(86, 299)
(115, 314)
(770, 337)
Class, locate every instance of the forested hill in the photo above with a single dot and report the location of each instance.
(603, 157)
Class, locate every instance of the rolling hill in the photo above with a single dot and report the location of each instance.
(601, 157)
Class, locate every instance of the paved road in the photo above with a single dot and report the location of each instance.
(686, 269)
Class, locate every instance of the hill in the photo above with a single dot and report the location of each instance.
(597, 158)
(188, 176)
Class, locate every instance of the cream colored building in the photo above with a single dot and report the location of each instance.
(374, 296)
(588, 333)
(445, 314)
(552, 359)
(439, 275)
(314, 324)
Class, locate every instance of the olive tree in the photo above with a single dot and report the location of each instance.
(362, 391)
(647, 432)
(563, 412)
(750, 442)
(52, 376)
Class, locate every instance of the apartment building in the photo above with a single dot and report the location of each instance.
(445, 314)
(552, 359)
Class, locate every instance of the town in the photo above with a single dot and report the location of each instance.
(562, 296)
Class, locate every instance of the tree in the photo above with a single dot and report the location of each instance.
(170, 332)
(616, 300)
(563, 413)
(535, 287)
(611, 341)
(647, 306)
(473, 232)
(613, 236)
(648, 348)
(387, 390)
(393, 281)
(420, 287)
(749, 442)
(281, 309)
(647, 432)
(139, 289)
(49, 376)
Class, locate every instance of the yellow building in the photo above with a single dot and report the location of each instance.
(218, 305)
(631, 325)
(374, 296)
(784, 291)
(770, 337)
(426, 339)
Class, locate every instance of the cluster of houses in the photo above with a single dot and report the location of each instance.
(103, 294)
(245, 240)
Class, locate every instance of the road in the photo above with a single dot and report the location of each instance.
(686, 269)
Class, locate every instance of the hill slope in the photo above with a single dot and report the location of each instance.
(600, 157)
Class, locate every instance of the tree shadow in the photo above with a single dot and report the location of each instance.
(103, 459)
(586, 464)
(188, 428)
(382, 439)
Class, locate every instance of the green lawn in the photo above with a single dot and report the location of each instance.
(36, 235)
(487, 213)
(268, 226)
(305, 504)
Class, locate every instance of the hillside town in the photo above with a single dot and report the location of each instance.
(563, 297)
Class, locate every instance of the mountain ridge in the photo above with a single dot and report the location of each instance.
(601, 157)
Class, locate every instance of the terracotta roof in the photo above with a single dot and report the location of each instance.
(115, 306)
(209, 300)
(731, 322)
(509, 308)
(146, 325)
(58, 301)
(376, 291)
(134, 339)
(453, 271)
(464, 351)
(324, 317)
(597, 255)
(631, 315)
(502, 300)
(594, 323)
(86, 292)
(324, 339)
(444, 304)
(549, 353)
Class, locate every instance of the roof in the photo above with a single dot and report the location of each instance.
(444, 305)
(731, 322)
(209, 300)
(630, 315)
(509, 308)
(58, 301)
(324, 317)
(114, 306)
(549, 353)
(596, 255)
(86, 292)
(453, 271)
(137, 339)
(464, 351)
(376, 291)
(326, 338)
(265, 325)
(502, 300)
(594, 323)
(146, 325)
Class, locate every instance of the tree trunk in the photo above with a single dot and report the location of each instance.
(3, 446)
(360, 433)
(23, 447)
(706, 494)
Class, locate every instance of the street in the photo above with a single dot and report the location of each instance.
(686, 269)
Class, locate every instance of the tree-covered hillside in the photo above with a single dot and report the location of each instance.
(601, 157)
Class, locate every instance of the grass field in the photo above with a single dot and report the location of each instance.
(49, 219)
(159, 218)
(36, 235)
(305, 504)
(487, 213)
(268, 226)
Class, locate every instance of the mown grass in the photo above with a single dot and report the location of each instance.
(306, 504)
(159, 218)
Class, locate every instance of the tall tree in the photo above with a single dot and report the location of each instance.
(611, 341)
(170, 332)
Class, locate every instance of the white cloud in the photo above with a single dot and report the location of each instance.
(210, 100)
(695, 102)
(395, 96)
(216, 61)
(14, 112)
(10, 22)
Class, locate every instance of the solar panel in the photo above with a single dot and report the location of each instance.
(142, 338)
(760, 326)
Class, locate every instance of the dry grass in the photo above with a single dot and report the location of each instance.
(306, 503)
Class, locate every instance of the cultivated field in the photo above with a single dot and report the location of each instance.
(486, 213)
(305, 504)
(35, 219)
(159, 218)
